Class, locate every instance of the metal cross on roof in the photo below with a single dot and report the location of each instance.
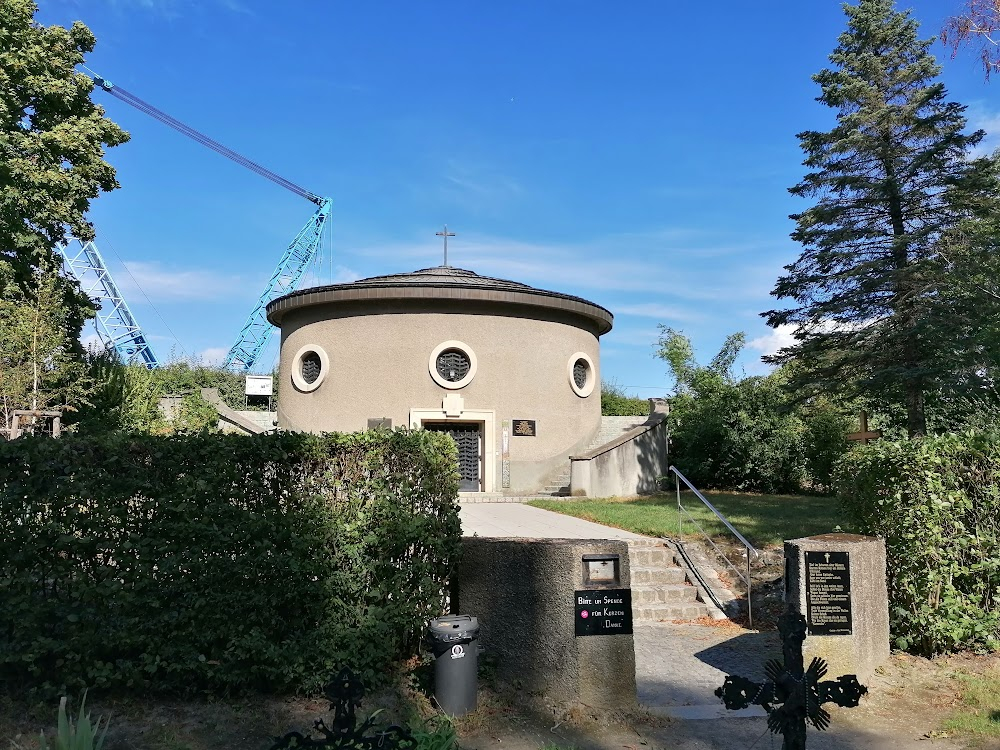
(798, 690)
(446, 234)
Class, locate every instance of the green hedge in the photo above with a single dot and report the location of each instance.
(936, 502)
(213, 564)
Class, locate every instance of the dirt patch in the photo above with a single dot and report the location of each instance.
(907, 702)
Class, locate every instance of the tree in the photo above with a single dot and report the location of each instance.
(979, 25)
(891, 177)
(728, 432)
(39, 365)
(52, 139)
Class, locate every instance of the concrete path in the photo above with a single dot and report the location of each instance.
(516, 520)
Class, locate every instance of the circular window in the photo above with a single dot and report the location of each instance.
(582, 375)
(452, 365)
(309, 368)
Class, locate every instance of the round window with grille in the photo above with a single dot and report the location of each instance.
(452, 365)
(582, 376)
(309, 368)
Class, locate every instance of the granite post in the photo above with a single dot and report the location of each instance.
(555, 616)
(838, 583)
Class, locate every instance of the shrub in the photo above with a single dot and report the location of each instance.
(740, 435)
(219, 563)
(936, 502)
(825, 436)
(616, 403)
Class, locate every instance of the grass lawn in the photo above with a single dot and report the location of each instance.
(979, 715)
(765, 520)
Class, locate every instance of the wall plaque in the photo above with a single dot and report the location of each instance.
(524, 428)
(828, 593)
(603, 611)
(379, 423)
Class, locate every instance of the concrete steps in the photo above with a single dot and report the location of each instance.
(660, 589)
(611, 428)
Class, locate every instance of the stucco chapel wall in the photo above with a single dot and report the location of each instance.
(379, 356)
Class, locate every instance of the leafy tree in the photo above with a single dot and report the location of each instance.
(52, 139)
(978, 25)
(39, 364)
(890, 178)
(727, 432)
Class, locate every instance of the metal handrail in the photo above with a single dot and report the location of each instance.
(752, 552)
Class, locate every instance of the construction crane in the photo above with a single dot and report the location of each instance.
(256, 331)
(116, 326)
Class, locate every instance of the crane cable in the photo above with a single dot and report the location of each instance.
(119, 93)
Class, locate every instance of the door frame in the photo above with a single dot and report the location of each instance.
(487, 418)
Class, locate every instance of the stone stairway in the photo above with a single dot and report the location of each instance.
(660, 589)
(611, 428)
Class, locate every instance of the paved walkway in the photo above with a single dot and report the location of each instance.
(516, 520)
(677, 666)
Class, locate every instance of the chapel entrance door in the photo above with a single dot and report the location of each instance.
(468, 436)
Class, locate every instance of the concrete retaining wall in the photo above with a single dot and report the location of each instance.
(629, 465)
(522, 591)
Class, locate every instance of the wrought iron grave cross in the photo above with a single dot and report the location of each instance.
(446, 234)
(345, 692)
(799, 691)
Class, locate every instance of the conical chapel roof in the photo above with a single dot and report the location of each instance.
(440, 283)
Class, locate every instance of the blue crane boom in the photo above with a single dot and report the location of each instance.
(256, 331)
(116, 326)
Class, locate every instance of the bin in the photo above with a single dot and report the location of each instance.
(454, 642)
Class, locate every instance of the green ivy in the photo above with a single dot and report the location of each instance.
(936, 502)
(219, 564)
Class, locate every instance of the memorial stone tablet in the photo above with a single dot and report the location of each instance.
(828, 593)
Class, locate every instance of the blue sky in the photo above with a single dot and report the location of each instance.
(637, 154)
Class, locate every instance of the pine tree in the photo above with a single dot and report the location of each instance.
(889, 179)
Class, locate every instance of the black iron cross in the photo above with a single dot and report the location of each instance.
(345, 693)
(446, 234)
(799, 691)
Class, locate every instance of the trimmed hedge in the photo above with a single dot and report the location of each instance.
(936, 502)
(212, 563)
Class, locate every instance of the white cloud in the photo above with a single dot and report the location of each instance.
(626, 262)
(161, 283)
(770, 343)
(341, 275)
(213, 356)
(659, 311)
(983, 118)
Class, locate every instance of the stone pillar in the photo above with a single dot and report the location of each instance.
(525, 594)
(838, 583)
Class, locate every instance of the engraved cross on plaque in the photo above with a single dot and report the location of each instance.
(445, 234)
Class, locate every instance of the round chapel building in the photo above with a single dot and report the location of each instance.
(510, 371)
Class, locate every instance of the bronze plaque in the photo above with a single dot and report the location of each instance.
(380, 423)
(524, 428)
